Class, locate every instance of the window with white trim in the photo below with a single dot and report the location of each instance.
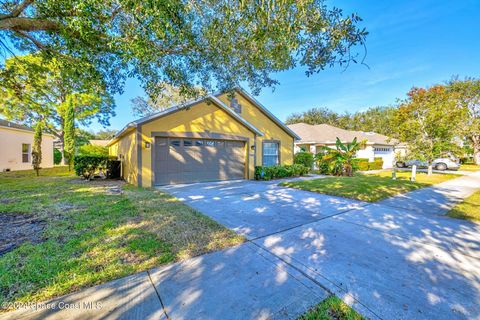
(25, 153)
(381, 149)
(270, 154)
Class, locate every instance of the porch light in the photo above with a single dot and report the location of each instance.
(147, 145)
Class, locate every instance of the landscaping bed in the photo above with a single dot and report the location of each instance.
(72, 233)
(369, 187)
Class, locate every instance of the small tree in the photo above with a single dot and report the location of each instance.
(341, 160)
(467, 96)
(69, 139)
(428, 122)
(37, 147)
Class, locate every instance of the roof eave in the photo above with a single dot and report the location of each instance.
(267, 112)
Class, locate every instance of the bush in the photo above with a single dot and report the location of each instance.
(278, 172)
(89, 149)
(57, 156)
(303, 158)
(364, 165)
(86, 165)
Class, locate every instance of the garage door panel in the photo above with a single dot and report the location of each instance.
(194, 160)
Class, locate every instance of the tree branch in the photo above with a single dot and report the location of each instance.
(37, 43)
(28, 24)
(18, 10)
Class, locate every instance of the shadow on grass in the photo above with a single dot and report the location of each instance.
(92, 237)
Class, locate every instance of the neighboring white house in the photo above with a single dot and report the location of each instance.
(314, 137)
(16, 143)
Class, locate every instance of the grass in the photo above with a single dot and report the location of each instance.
(469, 209)
(369, 187)
(92, 236)
(469, 167)
(331, 308)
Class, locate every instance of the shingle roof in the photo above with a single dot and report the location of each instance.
(325, 133)
(97, 142)
(5, 123)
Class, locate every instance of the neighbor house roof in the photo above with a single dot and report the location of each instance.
(13, 125)
(325, 133)
(101, 143)
(9, 124)
(214, 99)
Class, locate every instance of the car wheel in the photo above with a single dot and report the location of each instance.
(400, 164)
(441, 166)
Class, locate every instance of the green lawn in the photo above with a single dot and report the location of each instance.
(93, 234)
(469, 209)
(331, 308)
(469, 167)
(369, 187)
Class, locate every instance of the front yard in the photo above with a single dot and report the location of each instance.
(469, 209)
(59, 234)
(469, 167)
(369, 187)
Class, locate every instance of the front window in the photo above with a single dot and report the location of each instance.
(25, 153)
(270, 154)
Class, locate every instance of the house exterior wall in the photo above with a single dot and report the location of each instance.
(200, 118)
(368, 152)
(11, 140)
(203, 119)
(126, 151)
(270, 129)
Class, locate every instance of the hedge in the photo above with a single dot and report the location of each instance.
(278, 172)
(86, 165)
(304, 158)
(364, 165)
(93, 150)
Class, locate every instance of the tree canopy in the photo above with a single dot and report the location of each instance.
(167, 96)
(184, 43)
(467, 98)
(38, 89)
(429, 122)
(376, 119)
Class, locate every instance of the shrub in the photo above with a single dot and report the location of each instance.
(57, 156)
(89, 149)
(364, 165)
(376, 165)
(304, 158)
(278, 172)
(86, 165)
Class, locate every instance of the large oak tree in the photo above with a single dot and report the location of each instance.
(186, 43)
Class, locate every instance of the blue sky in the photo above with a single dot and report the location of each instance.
(411, 43)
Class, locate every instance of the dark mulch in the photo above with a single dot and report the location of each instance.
(17, 228)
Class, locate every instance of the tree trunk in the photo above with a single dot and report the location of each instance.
(476, 149)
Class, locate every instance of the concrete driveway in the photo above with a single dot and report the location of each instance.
(256, 209)
(398, 259)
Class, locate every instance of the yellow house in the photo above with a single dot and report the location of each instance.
(219, 137)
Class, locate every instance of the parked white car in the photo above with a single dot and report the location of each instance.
(438, 164)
